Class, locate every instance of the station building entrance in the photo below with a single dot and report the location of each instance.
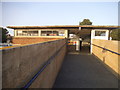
(82, 40)
(79, 41)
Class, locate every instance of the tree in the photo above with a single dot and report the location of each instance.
(85, 22)
(3, 34)
(115, 34)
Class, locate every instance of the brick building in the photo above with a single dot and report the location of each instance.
(34, 34)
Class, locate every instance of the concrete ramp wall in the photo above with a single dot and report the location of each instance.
(108, 51)
(20, 64)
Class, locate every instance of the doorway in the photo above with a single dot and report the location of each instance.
(85, 47)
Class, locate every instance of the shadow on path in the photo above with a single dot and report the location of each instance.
(84, 71)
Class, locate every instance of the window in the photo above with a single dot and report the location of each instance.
(55, 33)
(43, 33)
(46, 33)
(49, 33)
(100, 33)
(27, 33)
(61, 33)
(52, 33)
(19, 33)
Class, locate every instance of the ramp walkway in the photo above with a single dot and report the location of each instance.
(83, 70)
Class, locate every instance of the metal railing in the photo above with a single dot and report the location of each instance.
(106, 49)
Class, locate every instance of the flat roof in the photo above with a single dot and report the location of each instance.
(65, 27)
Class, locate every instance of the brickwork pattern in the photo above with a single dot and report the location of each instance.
(30, 40)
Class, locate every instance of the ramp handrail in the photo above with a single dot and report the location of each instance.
(106, 49)
(43, 67)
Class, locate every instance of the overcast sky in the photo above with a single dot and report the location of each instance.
(58, 13)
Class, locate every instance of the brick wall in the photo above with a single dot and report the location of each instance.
(30, 40)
